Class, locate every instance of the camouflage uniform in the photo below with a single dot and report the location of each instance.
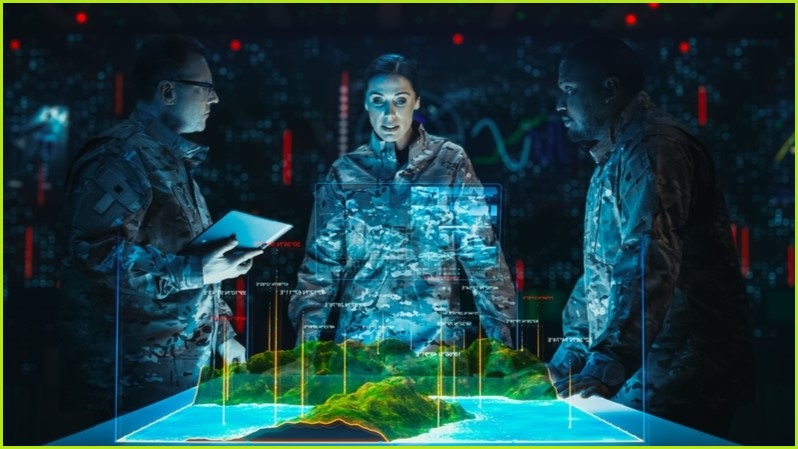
(657, 238)
(131, 205)
(391, 238)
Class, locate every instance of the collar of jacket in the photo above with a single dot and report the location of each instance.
(176, 144)
(419, 156)
(602, 149)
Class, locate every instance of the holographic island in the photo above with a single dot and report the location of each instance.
(382, 392)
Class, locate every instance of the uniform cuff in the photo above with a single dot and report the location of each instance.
(564, 359)
(607, 370)
(191, 275)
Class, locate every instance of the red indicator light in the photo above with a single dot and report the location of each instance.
(702, 105)
(240, 315)
(235, 45)
(653, 5)
(519, 275)
(27, 270)
(14, 44)
(288, 149)
(458, 39)
(81, 18)
(630, 19)
(119, 93)
(745, 251)
(684, 47)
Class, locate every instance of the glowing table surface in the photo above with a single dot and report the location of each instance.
(176, 421)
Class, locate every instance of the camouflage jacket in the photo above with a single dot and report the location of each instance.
(384, 246)
(661, 295)
(132, 204)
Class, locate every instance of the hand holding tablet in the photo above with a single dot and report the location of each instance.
(228, 246)
(252, 232)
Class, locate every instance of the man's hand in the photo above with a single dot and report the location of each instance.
(232, 351)
(222, 263)
(581, 383)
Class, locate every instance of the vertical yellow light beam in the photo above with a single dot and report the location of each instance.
(344, 370)
(468, 364)
(440, 366)
(570, 413)
(454, 371)
(225, 375)
(302, 369)
(537, 304)
(537, 352)
(479, 364)
(276, 315)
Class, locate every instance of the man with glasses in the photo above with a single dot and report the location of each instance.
(140, 317)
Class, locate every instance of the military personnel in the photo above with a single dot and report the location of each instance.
(658, 321)
(391, 223)
(139, 317)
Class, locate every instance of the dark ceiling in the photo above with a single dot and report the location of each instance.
(650, 19)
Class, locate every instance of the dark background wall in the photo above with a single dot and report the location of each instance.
(290, 87)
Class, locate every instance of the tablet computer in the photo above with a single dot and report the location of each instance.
(252, 232)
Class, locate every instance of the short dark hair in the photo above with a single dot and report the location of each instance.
(606, 57)
(394, 64)
(161, 57)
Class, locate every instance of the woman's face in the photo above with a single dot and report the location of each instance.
(390, 102)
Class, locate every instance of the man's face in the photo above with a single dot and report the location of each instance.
(390, 102)
(192, 104)
(582, 103)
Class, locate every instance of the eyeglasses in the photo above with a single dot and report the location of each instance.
(208, 86)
